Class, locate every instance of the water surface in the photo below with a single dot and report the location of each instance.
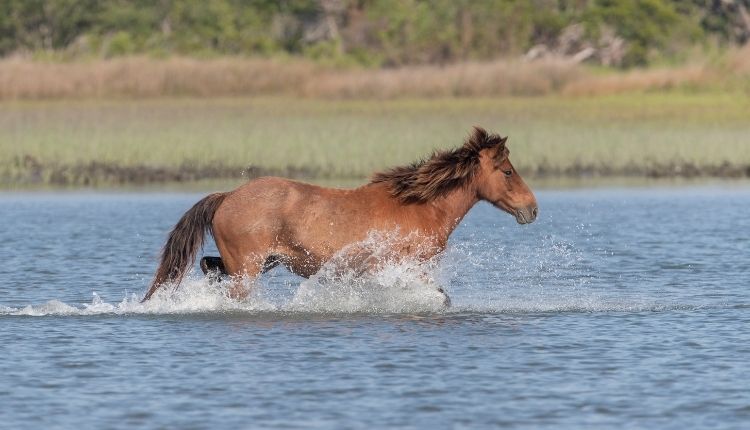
(618, 308)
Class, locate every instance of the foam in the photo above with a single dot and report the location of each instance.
(550, 277)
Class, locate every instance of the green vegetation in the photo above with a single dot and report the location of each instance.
(85, 142)
(112, 92)
(370, 32)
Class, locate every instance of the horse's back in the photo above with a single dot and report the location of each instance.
(273, 215)
(278, 194)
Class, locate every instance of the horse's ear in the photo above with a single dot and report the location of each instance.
(501, 151)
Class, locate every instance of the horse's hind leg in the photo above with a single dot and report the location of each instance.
(253, 268)
(213, 268)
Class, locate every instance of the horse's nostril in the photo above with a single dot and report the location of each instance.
(534, 212)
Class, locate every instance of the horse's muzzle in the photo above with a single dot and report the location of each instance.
(526, 215)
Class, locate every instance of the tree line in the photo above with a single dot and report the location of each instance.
(375, 32)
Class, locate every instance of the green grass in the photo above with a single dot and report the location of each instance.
(350, 139)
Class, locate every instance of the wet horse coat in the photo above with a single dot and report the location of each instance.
(274, 220)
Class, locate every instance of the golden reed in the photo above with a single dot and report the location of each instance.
(142, 77)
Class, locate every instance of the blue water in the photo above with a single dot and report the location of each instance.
(618, 308)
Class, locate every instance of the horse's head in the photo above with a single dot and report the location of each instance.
(498, 183)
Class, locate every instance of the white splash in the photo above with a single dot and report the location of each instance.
(367, 277)
(552, 277)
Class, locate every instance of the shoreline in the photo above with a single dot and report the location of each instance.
(193, 180)
(31, 172)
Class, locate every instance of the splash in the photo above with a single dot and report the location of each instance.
(380, 282)
(391, 290)
(553, 276)
(361, 278)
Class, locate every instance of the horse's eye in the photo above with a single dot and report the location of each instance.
(508, 172)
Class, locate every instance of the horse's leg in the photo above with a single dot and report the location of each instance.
(366, 263)
(446, 297)
(239, 290)
(429, 280)
(213, 268)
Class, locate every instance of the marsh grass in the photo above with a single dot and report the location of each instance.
(73, 142)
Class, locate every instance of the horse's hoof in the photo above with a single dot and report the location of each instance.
(214, 276)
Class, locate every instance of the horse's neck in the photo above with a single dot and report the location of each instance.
(451, 209)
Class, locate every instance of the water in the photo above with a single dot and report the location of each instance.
(618, 308)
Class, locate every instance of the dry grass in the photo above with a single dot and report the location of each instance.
(144, 77)
(499, 78)
(140, 77)
(739, 61)
(730, 73)
(643, 80)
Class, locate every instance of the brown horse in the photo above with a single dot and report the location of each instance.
(271, 220)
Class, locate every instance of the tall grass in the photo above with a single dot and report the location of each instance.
(143, 77)
(351, 138)
(140, 77)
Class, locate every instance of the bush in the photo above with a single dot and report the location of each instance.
(370, 32)
(121, 43)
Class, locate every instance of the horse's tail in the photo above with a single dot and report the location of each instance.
(184, 240)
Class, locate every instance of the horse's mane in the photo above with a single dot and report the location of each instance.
(433, 177)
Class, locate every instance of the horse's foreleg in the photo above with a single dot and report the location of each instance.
(429, 280)
(446, 297)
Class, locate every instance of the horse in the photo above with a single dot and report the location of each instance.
(271, 220)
